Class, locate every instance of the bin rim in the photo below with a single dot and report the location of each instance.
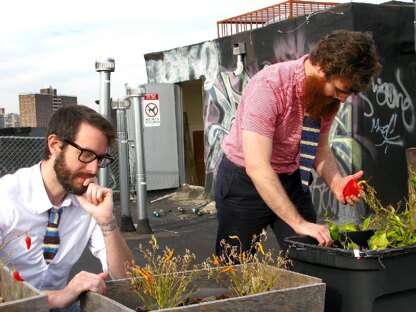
(309, 243)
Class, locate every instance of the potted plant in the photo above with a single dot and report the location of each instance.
(258, 282)
(379, 258)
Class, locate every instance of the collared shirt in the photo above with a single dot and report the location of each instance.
(270, 105)
(24, 207)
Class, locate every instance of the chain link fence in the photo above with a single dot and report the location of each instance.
(19, 152)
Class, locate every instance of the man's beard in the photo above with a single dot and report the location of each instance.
(66, 177)
(316, 104)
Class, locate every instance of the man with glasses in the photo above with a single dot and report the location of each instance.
(63, 210)
(286, 108)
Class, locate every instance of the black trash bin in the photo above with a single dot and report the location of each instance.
(359, 281)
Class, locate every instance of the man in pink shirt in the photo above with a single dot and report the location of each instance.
(259, 178)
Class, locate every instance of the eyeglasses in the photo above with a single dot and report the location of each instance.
(86, 156)
(339, 92)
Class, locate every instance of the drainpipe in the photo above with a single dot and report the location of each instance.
(414, 22)
(121, 105)
(104, 67)
(135, 96)
(239, 49)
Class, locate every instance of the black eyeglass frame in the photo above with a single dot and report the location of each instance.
(106, 157)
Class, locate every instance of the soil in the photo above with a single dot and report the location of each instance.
(193, 300)
(196, 300)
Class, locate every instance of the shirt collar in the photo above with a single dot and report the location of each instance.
(41, 199)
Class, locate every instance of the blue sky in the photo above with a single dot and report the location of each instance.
(56, 43)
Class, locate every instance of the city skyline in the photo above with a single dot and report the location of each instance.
(44, 44)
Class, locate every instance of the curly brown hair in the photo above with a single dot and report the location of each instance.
(349, 55)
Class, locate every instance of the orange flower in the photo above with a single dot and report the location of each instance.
(260, 247)
(216, 261)
(169, 257)
(227, 269)
(149, 287)
(145, 274)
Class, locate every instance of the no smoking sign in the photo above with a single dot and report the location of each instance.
(151, 111)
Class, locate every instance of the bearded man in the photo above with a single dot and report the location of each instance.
(262, 180)
(61, 208)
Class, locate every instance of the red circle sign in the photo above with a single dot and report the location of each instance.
(151, 110)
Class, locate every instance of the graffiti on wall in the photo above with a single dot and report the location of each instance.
(222, 90)
(388, 122)
(186, 63)
(394, 97)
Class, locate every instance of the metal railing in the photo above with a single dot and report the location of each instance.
(272, 14)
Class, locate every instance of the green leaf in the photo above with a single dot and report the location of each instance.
(348, 227)
(366, 223)
(378, 241)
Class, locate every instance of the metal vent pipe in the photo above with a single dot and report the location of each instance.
(135, 95)
(105, 68)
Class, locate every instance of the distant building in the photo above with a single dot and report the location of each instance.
(2, 111)
(37, 108)
(11, 120)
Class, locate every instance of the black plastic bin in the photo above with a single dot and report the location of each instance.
(359, 281)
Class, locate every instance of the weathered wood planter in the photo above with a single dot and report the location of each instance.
(20, 296)
(293, 292)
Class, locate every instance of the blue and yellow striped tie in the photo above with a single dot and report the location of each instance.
(308, 147)
(51, 240)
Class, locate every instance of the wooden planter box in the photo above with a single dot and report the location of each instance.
(293, 292)
(20, 296)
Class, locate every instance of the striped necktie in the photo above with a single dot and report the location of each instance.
(308, 146)
(51, 240)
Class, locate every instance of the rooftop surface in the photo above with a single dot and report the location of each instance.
(175, 228)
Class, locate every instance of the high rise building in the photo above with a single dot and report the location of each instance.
(37, 108)
(11, 120)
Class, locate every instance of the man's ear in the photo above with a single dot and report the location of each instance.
(54, 145)
(320, 71)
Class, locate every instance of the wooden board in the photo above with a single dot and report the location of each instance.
(294, 292)
(20, 296)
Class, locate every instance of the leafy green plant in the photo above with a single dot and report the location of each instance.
(243, 272)
(394, 226)
(164, 281)
(338, 232)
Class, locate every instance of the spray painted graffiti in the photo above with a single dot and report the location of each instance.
(218, 125)
(186, 63)
(222, 90)
(386, 131)
(395, 99)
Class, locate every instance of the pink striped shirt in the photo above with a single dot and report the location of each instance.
(270, 106)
